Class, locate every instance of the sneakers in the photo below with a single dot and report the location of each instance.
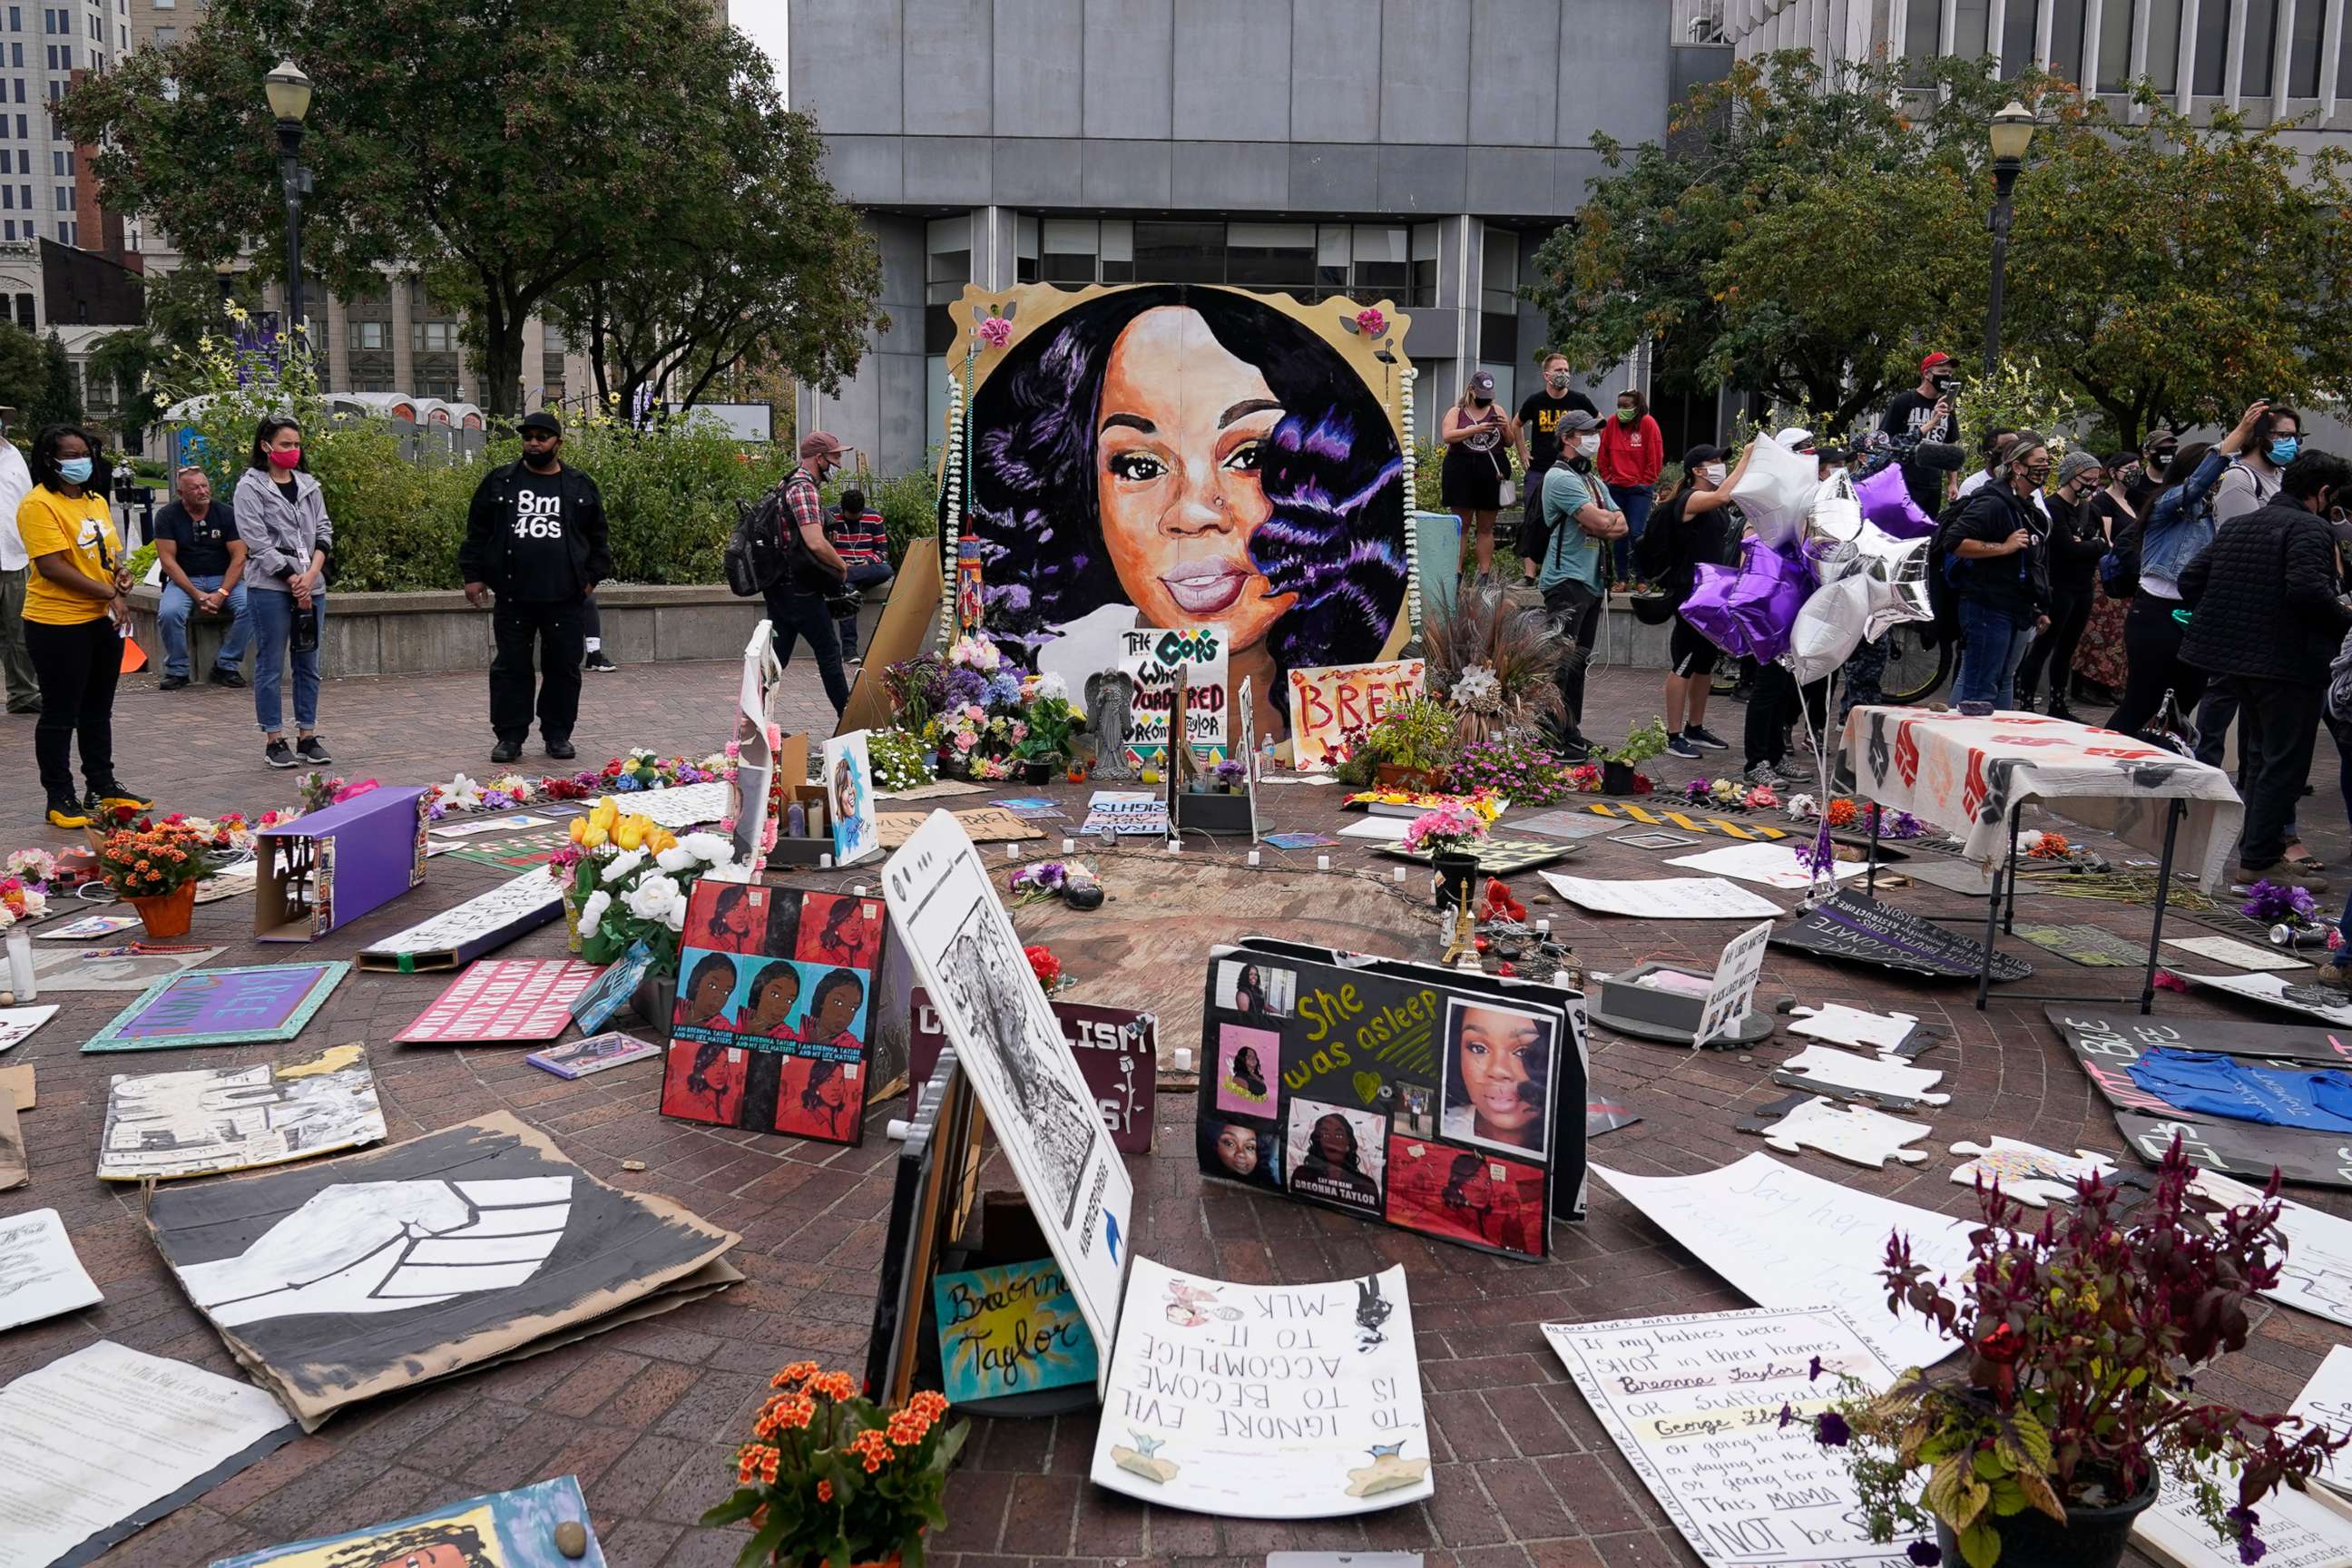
(278, 754)
(2335, 977)
(1681, 746)
(851, 661)
(596, 663)
(1572, 748)
(561, 751)
(173, 683)
(111, 794)
(1705, 739)
(223, 674)
(1767, 775)
(506, 751)
(312, 749)
(2278, 871)
(65, 811)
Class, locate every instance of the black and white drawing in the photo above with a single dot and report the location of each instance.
(199, 1122)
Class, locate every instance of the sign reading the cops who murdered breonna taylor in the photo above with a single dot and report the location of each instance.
(1154, 658)
(1265, 1401)
(1693, 1403)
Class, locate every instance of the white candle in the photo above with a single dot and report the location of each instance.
(1253, 857)
(1069, 846)
(1400, 875)
(1013, 852)
(858, 891)
(1543, 927)
(1175, 846)
(1183, 1058)
(1322, 862)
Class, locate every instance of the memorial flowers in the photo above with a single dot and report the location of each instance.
(2279, 903)
(20, 900)
(899, 759)
(829, 1475)
(1448, 830)
(154, 858)
(629, 882)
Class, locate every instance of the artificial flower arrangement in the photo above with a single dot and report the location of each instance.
(630, 881)
(642, 769)
(1048, 721)
(1230, 776)
(917, 689)
(36, 868)
(1072, 881)
(899, 761)
(831, 1477)
(1845, 816)
(1046, 968)
(2279, 903)
(1487, 806)
(2050, 845)
(21, 901)
(1448, 830)
(980, 722)
(2086, 1336)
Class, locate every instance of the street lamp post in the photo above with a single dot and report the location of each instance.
(290, 100)
(2012, 132)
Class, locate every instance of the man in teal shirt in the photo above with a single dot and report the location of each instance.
(1568, 557)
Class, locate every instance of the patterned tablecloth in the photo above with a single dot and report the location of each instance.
(1963, 775)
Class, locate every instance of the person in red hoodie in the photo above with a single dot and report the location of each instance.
(1631, 454)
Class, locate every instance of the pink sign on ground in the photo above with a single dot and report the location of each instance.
(503, 999)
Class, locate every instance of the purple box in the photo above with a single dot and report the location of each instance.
(326, 869)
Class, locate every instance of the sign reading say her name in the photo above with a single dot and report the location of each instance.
(1116, 1050)
(1155, 659)
(1325, 704)
(1693, 1403)
(1008, 1331)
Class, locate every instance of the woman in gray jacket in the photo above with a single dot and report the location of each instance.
(282, 515)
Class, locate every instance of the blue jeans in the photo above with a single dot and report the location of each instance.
(1634, 501)
(172, 620)
(1994, 642)
(273, 632)
(861, 575)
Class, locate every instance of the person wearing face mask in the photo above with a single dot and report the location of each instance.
(535, 537)
(2267, 619)
(1690, 529)
(2109, 516)
(1632, 455)
(800, 602)
(1540, 417)
(1568, 555)
(282, 515)
(2249, 482)
(1478, 437)
(15, 665)
(1927, 413)
(2002, 577)
(2075, 544)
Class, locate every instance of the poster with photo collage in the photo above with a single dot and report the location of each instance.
(1398, 1091)
(774, 1011)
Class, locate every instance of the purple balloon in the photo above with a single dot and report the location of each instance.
(1748, 613)
(1886, 502)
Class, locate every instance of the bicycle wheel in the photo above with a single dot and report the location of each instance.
(1912, 670)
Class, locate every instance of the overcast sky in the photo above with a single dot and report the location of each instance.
(765, 21)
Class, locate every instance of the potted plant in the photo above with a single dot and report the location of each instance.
(154, 867)
(829, 1476)
(1617, 765)
(2084, 1336)
(1448, 835)
(1045, 750)
(1413, 743)
(1229, 776)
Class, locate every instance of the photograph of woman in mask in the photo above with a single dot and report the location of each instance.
(1186, 456)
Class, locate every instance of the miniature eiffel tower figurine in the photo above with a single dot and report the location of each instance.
(1462, 952)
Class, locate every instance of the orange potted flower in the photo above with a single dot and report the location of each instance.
(829, 1476)
(155, 866)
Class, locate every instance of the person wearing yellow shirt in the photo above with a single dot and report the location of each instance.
(75, 603)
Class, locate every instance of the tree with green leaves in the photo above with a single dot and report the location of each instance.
(507, 154)
(180, 308)
(55, 401)
(21, 371)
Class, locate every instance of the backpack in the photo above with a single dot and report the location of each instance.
(760, 552)
(2340, 682)
(1653, 553)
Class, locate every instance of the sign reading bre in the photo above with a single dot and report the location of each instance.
(1325, 704)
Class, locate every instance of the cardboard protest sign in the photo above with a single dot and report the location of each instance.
(503, 1529)
(1009, 1330)
(488, 919)
(988, 825)
(1732, 996)
(1117, 1050)
(326, 869)
(593, 1054)
(17, 1023)
(1693, 1403)
(1127, 813)
(1848, 925)
(1663, 899)
(39, 1275)
(964, 952)
(1398, 1091)
(1265, 1401)
(503, 999)
(1156, 661)
(222, 1007)
(775, 1011)
(1326, 703)
(339, 1281)
(166, 1125)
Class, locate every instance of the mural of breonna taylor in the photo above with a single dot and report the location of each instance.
(1187, 455)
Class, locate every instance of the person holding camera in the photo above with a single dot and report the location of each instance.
(800, 601)
(535, 536)
(282, 515)
(2003, 576)
(1928, 412)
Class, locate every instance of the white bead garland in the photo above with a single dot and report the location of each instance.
(952, 534)
(1412, 499)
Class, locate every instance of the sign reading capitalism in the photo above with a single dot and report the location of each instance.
(1186, 456)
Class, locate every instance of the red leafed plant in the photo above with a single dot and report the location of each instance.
(2083, 1335)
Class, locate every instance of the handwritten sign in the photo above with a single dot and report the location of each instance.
(1693, 1403)
(1009, 1330)
(1153, 659)
(2327, 1401)
(1732, 996)
(1118, 1050)
(1127, 813)
(1326, 703)
(1265, 1401)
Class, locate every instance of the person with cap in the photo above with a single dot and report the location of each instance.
(2077, 539)
(1568, 555)
(1478, 437)
(535, 537)
(1926, 412)
(15, 572)
(1689, 530)
(800, 602)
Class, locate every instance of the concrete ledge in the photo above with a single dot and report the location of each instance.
(421, 634)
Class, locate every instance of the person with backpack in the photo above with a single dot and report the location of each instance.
(2178, 526)
(2267, 619)
(1689, 530)
(1569, 554)
(535, 537)
(2000, 573)
(2076, 543)
(809, 572)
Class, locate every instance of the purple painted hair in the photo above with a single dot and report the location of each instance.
(1332, 472)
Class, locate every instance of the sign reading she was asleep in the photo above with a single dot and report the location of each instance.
(1117, 1048)
(1153, 659)
(1326, 703)
(1401, 1033)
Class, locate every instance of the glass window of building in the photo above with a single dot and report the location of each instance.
(2067, 20)
(1923, 34)
(1271, 256)
(2344, 63)
(1424, 264)
(2210, 64)
(2020, 23)
(1117, 250)
(1971, 28)
(1169, 252)
(1498, 308)
(1072, 249)
(1334, 245)
(1383, 264)
(947, 267)
(2304, 51)
(2256, 66)
(1025, 250)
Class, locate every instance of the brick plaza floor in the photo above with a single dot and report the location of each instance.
(648, 1415)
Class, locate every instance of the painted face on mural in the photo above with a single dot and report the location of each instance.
(1499, 1054)
(1180, 443)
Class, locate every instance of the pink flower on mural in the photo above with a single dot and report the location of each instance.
(1370, 322)
(995, 332)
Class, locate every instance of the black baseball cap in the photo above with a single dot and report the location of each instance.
(541, 419)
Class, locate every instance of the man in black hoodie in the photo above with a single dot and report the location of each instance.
(2266, 619)
(535, 536)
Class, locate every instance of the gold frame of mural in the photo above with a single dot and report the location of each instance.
(930, 594)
